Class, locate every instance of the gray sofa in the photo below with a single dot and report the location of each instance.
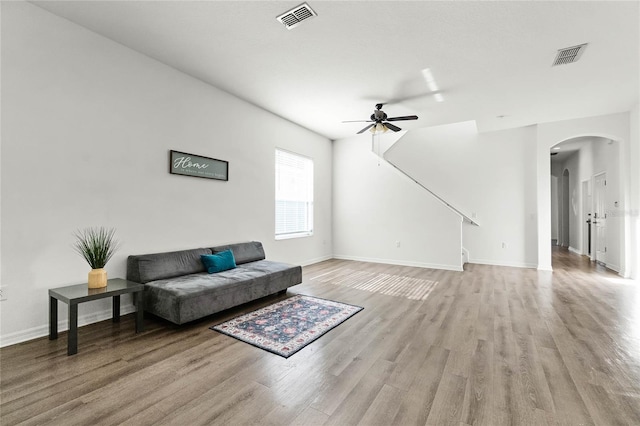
(178, 288)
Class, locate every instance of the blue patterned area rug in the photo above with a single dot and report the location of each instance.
(285, 327)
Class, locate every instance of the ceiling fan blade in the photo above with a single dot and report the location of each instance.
(358, 121)
(392, 127)
(406, 117)
(365, 129)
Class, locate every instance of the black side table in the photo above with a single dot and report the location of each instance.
(73, 295)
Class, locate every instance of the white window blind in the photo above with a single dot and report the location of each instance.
(294, 195)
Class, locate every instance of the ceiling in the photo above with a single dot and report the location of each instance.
(562, 151)
(490, 60)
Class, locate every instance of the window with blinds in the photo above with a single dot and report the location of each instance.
(294, 195)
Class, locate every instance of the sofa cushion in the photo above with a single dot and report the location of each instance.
(243, 252)
(187, 298)
(157, 266)
(218, 262)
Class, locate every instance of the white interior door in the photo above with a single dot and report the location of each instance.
(599, 221)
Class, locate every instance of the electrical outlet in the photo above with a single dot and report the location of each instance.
(504, 245)
(3, 293)
(398, 244)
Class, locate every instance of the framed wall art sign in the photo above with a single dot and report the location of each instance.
(181, 163)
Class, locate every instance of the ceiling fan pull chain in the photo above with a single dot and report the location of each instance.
(373, 145)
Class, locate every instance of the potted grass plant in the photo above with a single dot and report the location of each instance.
(96, 245)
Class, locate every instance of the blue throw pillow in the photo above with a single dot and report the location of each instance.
(218, 262)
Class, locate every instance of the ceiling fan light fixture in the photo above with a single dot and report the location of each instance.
(380, 122)
(378, 128)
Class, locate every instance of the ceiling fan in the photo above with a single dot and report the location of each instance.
(380, 121)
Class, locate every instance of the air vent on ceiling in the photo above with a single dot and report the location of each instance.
(569, 54)
(295, 16)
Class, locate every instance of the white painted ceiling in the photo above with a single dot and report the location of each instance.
(566, 149)
(489, 59)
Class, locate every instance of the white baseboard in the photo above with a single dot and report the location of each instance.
(464, 255)
(576, 251)
(63, 325)
(400, 262)
(625, 274)
(615, 268)
(316, 260)
(502, 263)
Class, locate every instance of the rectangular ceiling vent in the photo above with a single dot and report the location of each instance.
(295, 16)
(569, 54)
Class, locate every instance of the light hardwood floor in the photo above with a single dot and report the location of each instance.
(490, 345)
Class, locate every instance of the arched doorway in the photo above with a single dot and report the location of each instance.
(579, 166)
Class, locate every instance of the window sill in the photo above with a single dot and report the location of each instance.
(297, 235)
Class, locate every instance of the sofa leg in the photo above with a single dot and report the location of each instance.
(283, 291)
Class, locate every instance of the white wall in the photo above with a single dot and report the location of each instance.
(434, 156)
(586, 174)
(556, 200)
(376, 206)
(573, 166)
(633, 212)
(554, 208)
(489, 176)
(86, 129)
